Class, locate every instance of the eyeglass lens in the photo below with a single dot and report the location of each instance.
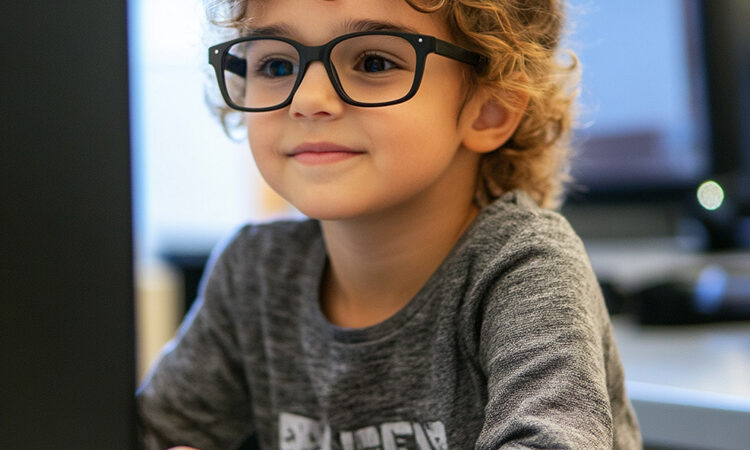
(372, 69)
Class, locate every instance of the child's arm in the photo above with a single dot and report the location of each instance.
(554, 379)
(196, 394)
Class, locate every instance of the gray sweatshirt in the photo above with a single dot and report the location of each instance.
(507, 345)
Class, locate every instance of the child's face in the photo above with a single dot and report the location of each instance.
(402, 155)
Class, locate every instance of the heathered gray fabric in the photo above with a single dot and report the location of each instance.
(507, 345)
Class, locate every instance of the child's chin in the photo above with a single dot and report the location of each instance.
(326, 214)
(330, 211)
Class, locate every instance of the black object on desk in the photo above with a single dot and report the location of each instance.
(190, 266)
(713, 295)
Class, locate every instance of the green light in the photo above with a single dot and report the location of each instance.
(710, 195)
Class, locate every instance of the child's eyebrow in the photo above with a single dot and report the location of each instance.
(271, 30)
(376, 25)
(282, 29)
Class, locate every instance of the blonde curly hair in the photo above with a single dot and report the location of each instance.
(520, 42)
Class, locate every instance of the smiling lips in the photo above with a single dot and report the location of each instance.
(322, 153)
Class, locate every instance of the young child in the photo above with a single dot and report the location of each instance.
(433, 300)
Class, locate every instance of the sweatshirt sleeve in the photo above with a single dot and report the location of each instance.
(541, 346)
(196, 393)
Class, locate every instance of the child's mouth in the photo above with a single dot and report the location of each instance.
(313, 153)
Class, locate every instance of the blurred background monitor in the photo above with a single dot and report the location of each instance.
(665, 107)
(644, 112)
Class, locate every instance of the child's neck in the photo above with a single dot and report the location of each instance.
(376, 266)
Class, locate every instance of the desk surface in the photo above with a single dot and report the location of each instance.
(690, 385)
(711, 358)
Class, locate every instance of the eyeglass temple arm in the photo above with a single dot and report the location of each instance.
(237, 66)
(445, 48)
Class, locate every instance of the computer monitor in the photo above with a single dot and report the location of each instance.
(665, 107)
(66, 283)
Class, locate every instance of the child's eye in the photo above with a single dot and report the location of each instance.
(373, 63)
(275, 68)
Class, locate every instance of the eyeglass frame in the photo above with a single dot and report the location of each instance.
(423, 46)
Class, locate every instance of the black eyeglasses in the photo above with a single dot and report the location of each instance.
(374, 68)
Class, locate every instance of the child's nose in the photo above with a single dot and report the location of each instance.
(316, 96)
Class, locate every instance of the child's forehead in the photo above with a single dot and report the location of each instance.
(310, 19)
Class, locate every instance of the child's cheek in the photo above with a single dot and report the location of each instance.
(261, 132)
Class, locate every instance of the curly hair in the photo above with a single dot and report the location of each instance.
(519, 40)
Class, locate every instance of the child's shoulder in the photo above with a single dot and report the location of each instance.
(516, 244)
(274, 244)
(292, 231)
(516, 221)
(523, 259)
(274, 236)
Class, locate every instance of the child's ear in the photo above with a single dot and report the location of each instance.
(492, 124)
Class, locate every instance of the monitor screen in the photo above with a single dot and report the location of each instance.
(643, 104)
